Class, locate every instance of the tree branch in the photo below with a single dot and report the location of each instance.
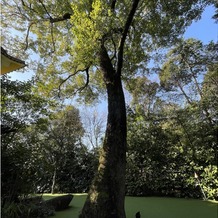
(87, 81)
(52, 21)
(27, 35)
(45, 9)
(123, 38)
(81, 88)
(59, 87)
(29, 7)
(113, 5)
(66, 16)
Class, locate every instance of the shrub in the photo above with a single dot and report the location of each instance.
(210, 182)
(26, 209)
(10, 210)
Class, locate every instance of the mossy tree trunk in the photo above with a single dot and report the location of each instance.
(107, 194)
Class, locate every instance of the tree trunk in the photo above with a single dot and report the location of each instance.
(53, 182)
(107, 193)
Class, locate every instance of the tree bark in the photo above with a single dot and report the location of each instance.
(53, 182)
(107, 193)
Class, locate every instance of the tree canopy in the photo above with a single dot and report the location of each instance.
(68, 36)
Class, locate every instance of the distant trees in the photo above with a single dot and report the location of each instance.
(165, 150)
(20, 108)
(63, 135)
(94, 123)
(65, 162)
(40, 144)
(177, 138)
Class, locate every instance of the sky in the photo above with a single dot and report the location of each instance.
(204, 29)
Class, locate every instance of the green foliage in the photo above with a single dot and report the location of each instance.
(34, 145)
(184, 135)
(143, 92)
(26, 210)
(91, 21)
(153, 159)
(10, 210)
(70, 50)
(19, 105)
(163, 156)
(77, 173)
(186, 65)
(20, 108)
(210, 182)
(61, 162)
(68, 46)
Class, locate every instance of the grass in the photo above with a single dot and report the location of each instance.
(150, 207)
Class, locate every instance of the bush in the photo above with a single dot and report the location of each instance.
(10, 210)
(26, 208)
(210, 182)
(60, 202)
(36, 210)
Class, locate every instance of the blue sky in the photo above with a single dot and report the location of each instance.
(204, 30)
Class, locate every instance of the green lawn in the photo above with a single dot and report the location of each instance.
(151, 207)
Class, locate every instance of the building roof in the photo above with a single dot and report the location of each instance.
(10, 63)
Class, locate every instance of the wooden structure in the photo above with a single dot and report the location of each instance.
(10, 63)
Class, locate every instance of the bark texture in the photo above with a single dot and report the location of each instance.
(107, 194)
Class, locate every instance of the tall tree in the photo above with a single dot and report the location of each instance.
(106, 41)
(185, 69)
(20, 108)
(56, 143)
(64, 134)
